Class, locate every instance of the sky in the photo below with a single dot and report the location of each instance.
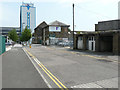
(87, 12)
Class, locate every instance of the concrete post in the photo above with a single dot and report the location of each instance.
(75, 42)
(97, 43)
(84, 42)
(116, 43)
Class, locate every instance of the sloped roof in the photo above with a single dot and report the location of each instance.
(42, 25)
(57, 23)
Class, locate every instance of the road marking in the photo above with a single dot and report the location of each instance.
(38, 70)
(50, 48)
(100, 58)
(51, 76)
(87, 55)
(48, 74)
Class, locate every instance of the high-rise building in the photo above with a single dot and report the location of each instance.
(27, 16)
(119, 10)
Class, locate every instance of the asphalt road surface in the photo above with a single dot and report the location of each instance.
(65, 68)
(19, 72)
(56, 67)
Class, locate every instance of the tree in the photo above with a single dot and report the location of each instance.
(26, 35)
(69, 29)
(13, 35)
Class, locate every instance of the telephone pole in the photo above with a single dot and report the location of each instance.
(73, 26)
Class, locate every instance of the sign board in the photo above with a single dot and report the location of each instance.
(54, 29)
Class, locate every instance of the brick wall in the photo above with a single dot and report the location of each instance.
(108, 25)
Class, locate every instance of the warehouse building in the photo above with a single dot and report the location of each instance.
(106, 38)
(50, 34)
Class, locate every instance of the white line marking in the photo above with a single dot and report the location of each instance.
(38, 70)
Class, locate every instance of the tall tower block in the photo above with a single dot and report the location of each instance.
(27, 16)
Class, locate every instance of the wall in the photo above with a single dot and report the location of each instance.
(38, 33)
(104, 43)
(108, 25)
(62, 34)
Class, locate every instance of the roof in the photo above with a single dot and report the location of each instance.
(41, 25)
(99, 32)
(57, 23)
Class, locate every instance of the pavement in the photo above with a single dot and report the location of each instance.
(18, 71)
(74, 69)
(8, 48)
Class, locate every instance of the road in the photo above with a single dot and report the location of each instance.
(67, 68)
(18, 71)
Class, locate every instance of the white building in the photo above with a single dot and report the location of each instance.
(27, 16)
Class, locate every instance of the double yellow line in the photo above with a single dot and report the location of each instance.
(51, 76)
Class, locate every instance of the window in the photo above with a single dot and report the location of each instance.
(28, 20)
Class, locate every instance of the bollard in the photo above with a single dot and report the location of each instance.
(30, 46)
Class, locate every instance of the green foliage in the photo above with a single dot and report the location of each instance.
(78, 32)
(26, 35)
(69, 29)
(13, 35)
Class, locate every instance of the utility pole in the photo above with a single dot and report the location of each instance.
(73, 26)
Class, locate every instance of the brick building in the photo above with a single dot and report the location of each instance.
(38, 33)
(106, 38)
(50, 33)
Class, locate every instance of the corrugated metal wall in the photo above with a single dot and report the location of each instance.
(2, 44)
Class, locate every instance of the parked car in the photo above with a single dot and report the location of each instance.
(63, 43)
(7, 44)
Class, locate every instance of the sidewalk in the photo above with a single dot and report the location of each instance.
(19, 72)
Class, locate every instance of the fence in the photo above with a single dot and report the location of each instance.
(2, 44)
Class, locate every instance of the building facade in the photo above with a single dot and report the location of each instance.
(5, 30)
(106, 38)
(27, 16)
(51, 33)
(38, 33)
